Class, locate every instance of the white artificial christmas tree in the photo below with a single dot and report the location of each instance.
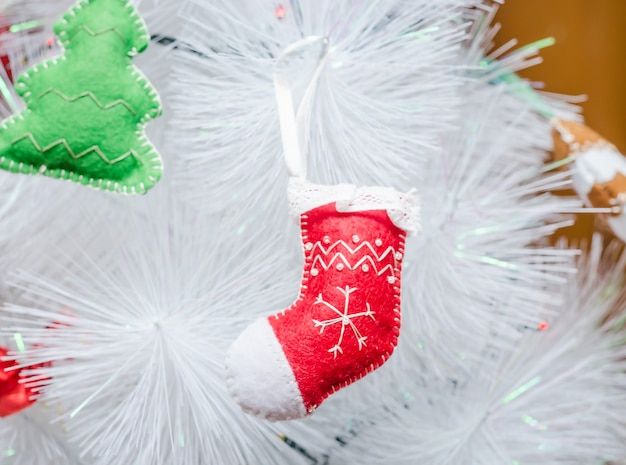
(505, 354)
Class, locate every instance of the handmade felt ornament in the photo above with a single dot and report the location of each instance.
(598, 170)
(345, 322)
(15, 395)
(86, 110)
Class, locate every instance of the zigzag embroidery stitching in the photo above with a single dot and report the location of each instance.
(339, 256)
(92, 96)
(75, 156)
(318, 245)
(71, 175)
(82, 27)
(319, 260)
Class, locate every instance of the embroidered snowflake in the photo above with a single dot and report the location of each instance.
(345, 318)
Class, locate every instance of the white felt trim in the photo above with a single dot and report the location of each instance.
(259, 377)
(403, 209)
(596, 166)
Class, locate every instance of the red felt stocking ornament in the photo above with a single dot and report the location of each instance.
(345, 322)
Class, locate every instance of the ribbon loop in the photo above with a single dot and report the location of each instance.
(294, 124)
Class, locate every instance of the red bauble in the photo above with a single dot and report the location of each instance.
(15, 396)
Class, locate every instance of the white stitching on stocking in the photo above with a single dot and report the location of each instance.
(345, 318)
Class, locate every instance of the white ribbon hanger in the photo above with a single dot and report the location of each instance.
(294, 124)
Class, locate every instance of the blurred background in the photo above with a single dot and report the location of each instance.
(589, 58)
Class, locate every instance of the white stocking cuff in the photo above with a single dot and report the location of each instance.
(403, 209)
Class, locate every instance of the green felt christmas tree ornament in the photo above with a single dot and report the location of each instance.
(87, 109)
